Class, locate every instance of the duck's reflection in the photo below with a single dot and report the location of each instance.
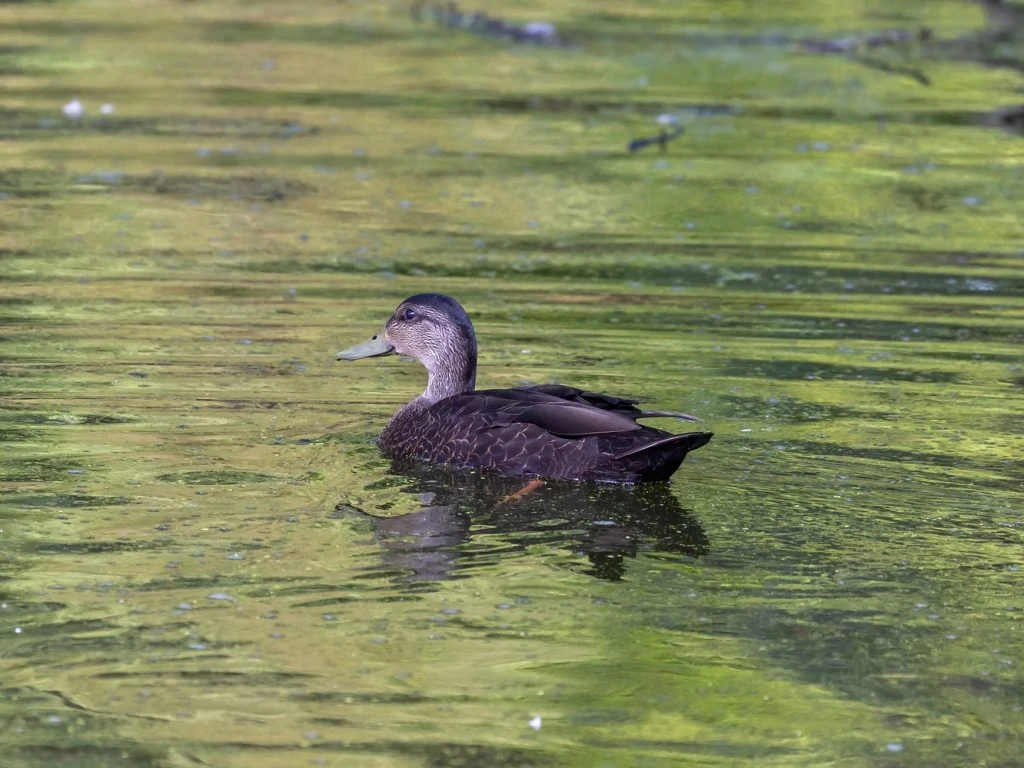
(607, 523)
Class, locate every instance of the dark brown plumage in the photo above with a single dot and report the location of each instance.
(549, 430)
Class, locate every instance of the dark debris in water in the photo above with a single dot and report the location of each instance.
(1008, 118)
(479, 23)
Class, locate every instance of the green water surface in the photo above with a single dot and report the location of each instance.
(204, 560)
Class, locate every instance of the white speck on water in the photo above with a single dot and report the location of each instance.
(541, 29)
(18, 630)
(667, 119)
(235, 556)
(894, 747)
(74, 109)
(535, 722)
(746, 429)
(221, 596)
(107, 109)
(53, 719)
(971, 200)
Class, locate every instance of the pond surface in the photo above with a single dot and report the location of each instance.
(205, 559)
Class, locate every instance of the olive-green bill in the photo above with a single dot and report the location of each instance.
(375, 347)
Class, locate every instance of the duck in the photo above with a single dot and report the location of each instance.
(551, 431)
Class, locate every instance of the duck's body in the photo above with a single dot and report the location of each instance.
(548, 430)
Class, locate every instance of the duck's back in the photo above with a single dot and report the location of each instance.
(551, 431)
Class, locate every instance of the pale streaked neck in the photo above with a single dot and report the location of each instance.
(451, 373)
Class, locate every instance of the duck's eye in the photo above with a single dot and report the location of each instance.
(409, 315)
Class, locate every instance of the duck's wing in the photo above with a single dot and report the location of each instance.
(621, 405)
(496, 408)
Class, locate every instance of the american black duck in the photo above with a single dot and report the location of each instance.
(549, 430)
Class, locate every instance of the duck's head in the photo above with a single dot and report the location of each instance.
(435, 330)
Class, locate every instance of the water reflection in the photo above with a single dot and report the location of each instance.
(609, 524)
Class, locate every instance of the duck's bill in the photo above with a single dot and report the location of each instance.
(375, 347)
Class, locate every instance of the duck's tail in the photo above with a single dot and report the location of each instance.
(658, 460)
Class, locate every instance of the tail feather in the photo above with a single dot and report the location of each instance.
(660, 459)
(691, 440)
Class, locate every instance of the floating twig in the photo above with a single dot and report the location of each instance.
(670, 129)
(854, 47)
(895, 69)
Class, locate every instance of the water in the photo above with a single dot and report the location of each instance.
(205, 559)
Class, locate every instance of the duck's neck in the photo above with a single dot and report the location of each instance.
(451, 373)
